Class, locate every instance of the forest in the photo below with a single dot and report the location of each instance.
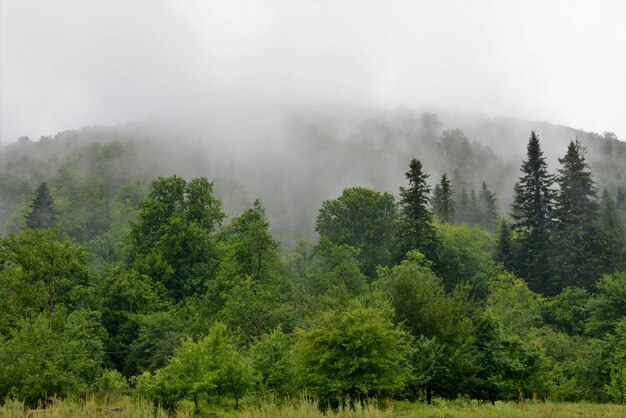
(384, 257)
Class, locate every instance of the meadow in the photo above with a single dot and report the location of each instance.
(93, 407)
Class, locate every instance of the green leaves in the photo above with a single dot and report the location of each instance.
(364, 219)
(352, 353)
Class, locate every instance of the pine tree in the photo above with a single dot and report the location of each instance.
(443, 204)
(487, 208)
(417, 229)
(532, 212)
(43, 215)
(578, 246)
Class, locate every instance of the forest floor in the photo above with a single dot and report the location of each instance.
(127, 408)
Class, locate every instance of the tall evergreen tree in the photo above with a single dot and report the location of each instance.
(443, 204)
(532, 212)
(614, 232)
(504, 249)
(463, 209)
(43, 214)
(578, 256)
(417, 230)
(487, 209)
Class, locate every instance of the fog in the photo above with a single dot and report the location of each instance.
(236, 69)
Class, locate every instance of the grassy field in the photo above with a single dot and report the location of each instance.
(127, 408)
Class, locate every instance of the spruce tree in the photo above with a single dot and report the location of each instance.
(504, 248)
(614, 232)
(443, 204)
(579, 250)
(417, 229)
(487, 208)
(42, 215)
(532, 213)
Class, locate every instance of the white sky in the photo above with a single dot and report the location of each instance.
(66, 64)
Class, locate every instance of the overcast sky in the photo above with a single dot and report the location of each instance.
(67, 64)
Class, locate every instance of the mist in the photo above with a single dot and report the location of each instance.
(237, 71)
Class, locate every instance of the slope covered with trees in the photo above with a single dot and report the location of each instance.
(177, 288)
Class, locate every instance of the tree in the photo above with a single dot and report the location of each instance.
(43, 214)
(173, 239)
(51, 355)
(272, 357)
(417, 231)
(250, 287)
(504, 248)
(364, 219)
(608, 306)
(443, 204)
(210, 366)
(614, 232)
(504, 364)
(352, 354)
(487, 209)
(578, 255)
(40, 269)
(532, 212)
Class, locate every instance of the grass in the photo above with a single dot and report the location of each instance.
(92, 407)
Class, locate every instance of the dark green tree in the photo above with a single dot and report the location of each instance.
(173, 239)
(352, 354)
(579, 249)
(43, 214)
(443, 204)
(364, 219)
(532, 211)
(504, 249)
(614, 232)
(487, 208)
(417, 231)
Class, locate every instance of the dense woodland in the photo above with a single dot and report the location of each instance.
(429, 267)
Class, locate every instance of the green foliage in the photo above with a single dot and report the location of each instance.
(443, 203)
(505, 365)
(608, 305)
(43, 214)
(517, 308)
(40, 269)
(487, 206)
(51, 355)
(464, 249)
(210, 367)
(569, 311)
(353, 354)
(364, 219)
(614, 232)
(532, 212)
(112, 385)
(417, 231)
(272, 357)
(504, 249)
(251, 288)
(578, 253)
(172, 241)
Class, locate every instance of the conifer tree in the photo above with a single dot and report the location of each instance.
(578, 256)
(487, 208)
(443, 204)
(43, 215)
(417, 229)
(504, 249)
(532, 212)
(614, 232)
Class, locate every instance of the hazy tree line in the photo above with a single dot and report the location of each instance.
(106, 285)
